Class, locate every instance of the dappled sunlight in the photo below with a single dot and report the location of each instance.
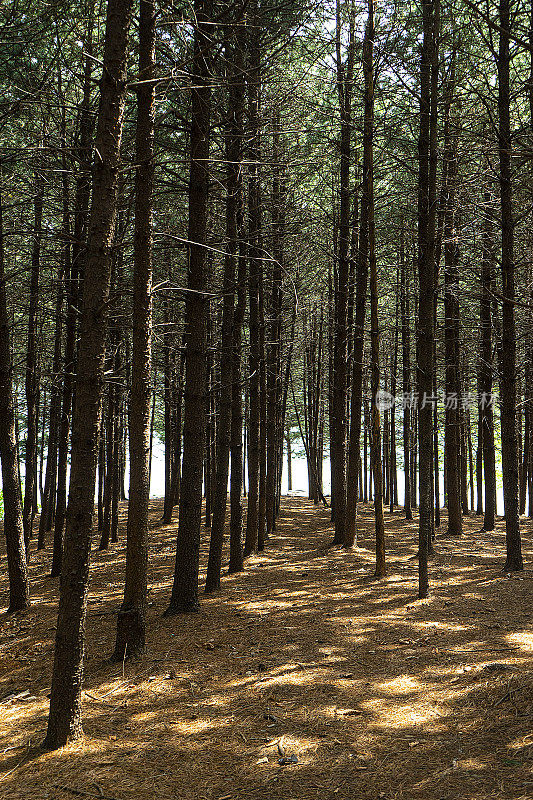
(302, 654)
(522, 639)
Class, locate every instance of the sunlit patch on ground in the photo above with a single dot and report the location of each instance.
(368, 692)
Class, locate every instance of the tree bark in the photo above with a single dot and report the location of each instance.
(184, 596)
(131, 622)
(64, 722)
(19, 595)
(508, 361)
(233, 159)
(426, 278)
(32, 380)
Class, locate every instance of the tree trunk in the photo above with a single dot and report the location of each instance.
(64, 722)
(406, 375)
(131, 622)
(184, 596)
(19, 596)
(338, 419)
(233, 159)
(486, 405)
(32, 380)
(375, 447)
(426, 277)
(508, 385)
(254, 279)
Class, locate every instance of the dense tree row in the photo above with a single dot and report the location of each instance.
(244, 230)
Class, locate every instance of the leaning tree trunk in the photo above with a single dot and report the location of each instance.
(184, 596)
(131, 622)
(508, 360)
(64, 722)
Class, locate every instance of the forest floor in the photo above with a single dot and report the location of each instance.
(377, 694)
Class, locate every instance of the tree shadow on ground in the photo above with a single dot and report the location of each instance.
(377, 694)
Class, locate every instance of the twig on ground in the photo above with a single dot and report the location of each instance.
(82, 792)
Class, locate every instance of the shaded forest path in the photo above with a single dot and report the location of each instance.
(377, 694)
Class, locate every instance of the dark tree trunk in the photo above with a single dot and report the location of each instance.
(185, 587)
(254, 280)
(361, 278)
(273, 348)
(289, 461)
(375, 446)
(340, 339)
(32, 380)
(261, 500)
(131, 622)
(47, 517)
(233, 158)
(64, 722)
(406, 375)
(237, 447)
(451, 340)
(426, 276)
(19, 595)
(508, 361)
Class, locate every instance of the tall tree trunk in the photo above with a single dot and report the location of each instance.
(375, 446)
(184, 596)
(451, 339)
(508, 385)
(406, 375)
(32, 380)
(361, 278)
(426, 277)
(273, 348)
(340, 339)
(64, 722)
(131, 622)
(254, 280)
(233, 166)
(19, 595)
(237, 446)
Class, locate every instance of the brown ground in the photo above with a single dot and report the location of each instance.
(378, 695)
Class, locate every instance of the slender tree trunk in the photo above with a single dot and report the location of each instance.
(451, 339)
(19, 595)
(184, 596)
(273, 347)
(237, 446)
(426, 276)
(254, 279)
(131, 622)
(508, 385)
(361, 278)
(233, 158)
(375, 451)
(486, 405)
(406, 375)
(32, 380)
(340, 340)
